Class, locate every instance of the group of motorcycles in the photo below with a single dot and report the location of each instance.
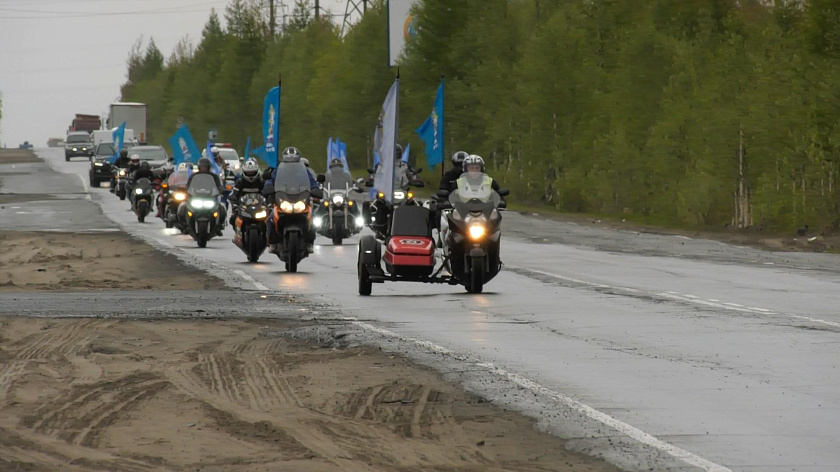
(452, 238)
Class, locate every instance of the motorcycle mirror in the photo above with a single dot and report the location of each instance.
(321, 178)
(442, 193)
(371, 171)
(368, 184)
(503, 192)
(317, 193)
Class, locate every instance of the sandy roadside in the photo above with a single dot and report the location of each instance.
(174, 393)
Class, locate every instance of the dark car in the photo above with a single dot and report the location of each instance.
(77, 143)
(100, 167)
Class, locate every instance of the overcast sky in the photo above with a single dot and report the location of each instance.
(62, 57)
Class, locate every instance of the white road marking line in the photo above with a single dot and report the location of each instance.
(588, 411)
(691, 299)
(259, 285)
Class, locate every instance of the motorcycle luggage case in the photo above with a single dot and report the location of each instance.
(410, 250)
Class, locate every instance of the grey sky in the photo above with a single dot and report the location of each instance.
(54, 64)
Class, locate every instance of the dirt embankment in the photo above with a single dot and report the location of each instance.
(38, 261)
(17, 156)
(228, 395)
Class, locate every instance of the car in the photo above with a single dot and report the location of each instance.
(100, 167)
(230, 156)
(155, 155)
(77, 143)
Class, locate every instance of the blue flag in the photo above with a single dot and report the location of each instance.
(384, 139)
(405, 153)
(271, 125)
(183, 146)
(118, 136)
(247, 149)
(337, 150)
(431, 131)
(342, 152)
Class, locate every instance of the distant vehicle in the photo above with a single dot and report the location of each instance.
(230, 156)
(85, 123)
(26, 145)
(134, 116)
(155, 155)
(100, 168)
(77, 143)
(107, 136)
(54, 142)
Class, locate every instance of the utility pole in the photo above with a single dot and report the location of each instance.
(317, 10)
(272, 16)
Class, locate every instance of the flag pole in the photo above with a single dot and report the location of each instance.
(277, 140)
(396, 127)
(443, 128)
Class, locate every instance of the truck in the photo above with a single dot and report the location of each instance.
(107, 136)
(85, 123)
(134, 116)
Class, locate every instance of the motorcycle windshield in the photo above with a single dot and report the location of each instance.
(144, 184)
(475, 186)
(251, 199)
(203, 185)
(178, 179)
(292, 183)
(338, 180)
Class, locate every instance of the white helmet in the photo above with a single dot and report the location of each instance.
(250, 171)
(473, 159)
(291, 154)
(182, 167)
(305, 161)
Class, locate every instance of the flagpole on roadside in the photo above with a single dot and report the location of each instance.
(279, 94)
(396, 126)
(442, 128)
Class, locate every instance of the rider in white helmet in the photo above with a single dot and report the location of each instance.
(250, 182)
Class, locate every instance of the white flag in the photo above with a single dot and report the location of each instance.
(384, 140)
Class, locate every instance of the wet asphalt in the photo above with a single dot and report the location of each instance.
(655, 352)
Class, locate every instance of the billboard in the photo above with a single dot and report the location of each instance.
(401, 27)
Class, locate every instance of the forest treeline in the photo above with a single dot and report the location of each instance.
(695, 113)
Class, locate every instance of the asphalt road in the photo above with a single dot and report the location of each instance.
(656, 352)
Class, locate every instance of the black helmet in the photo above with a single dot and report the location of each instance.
(145, 166)
(204, 165)
(336, 163)
(458, 158)
(123, 153)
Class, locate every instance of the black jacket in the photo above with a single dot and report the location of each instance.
(142, 174)
(243, 186)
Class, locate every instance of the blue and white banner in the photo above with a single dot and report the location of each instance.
(183, 146)
(385, 137)
(271, 125)
(431, 131)
(337, 150)
(118, 136)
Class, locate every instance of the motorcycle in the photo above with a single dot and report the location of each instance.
(121, 178)
(141, 198)
(292, 213)
(201, 209)
(250, 225)
(339, 216)
(471, 248)
(173, 193)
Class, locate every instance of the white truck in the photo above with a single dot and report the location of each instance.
(107, 136)
(134, 115)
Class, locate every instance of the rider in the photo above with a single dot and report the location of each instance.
(121, 163)
(290, 155)
(451, 176)
(143, 171)
(205, 167)
(251, 182)
(308, 169)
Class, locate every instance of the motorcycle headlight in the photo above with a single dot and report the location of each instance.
(286, 207)
(399, 195)
(122, 173)
(299, 207)
(138, 191)
(260, 215)
(477, 231)
(199, 203)
(317, 221)
(338, 199)
(179, 196)
(360, 221)
(97, 164)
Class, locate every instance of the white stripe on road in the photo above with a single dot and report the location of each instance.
(259, 285)
(714, 303)
(586, 410)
